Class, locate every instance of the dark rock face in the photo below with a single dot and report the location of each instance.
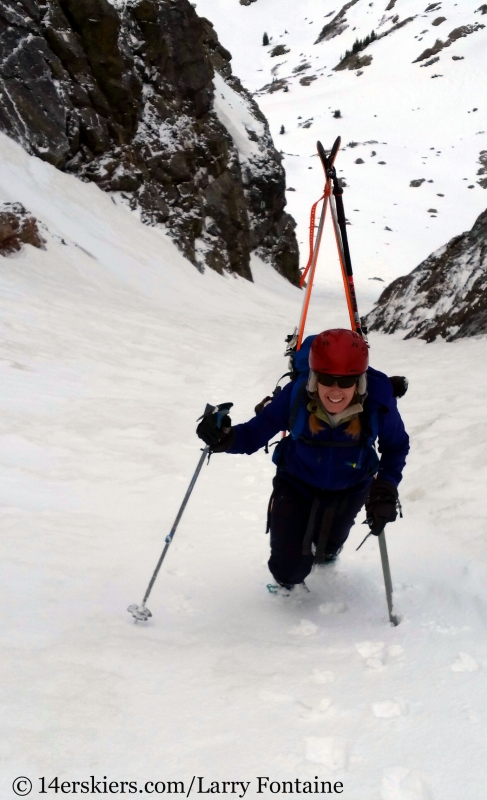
(354, 61)
(122, 93)
(337, 25)
(483, 169)
(307, 80)
(445, 296)
(279, 50)
(17, 227)
(276, 85)
(457, 33)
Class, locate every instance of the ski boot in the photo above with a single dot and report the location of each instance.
(330, 556)
(284, 590)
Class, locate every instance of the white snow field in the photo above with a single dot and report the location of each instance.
(111, 346)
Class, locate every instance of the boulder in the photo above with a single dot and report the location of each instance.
(17, 227)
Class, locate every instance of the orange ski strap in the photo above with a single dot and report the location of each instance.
(312, 221)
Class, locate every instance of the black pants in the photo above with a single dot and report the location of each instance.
(306, 522)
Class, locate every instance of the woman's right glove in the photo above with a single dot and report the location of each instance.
(381, 505)
(215, 427)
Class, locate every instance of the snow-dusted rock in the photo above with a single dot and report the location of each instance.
(445, 296)
(139, 97)
(17, 227)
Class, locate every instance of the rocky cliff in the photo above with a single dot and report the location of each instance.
(445, 296)
(138, 96)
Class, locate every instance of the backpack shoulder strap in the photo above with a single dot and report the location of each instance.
(370, 421)
(297, 414)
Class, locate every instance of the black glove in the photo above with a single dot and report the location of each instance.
(263, 403)
(399, 385)
(215, 425)
(381, 505)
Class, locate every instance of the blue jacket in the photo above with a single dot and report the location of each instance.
(331, 459)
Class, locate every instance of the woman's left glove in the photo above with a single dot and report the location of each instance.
(215, 427)
(381, 505)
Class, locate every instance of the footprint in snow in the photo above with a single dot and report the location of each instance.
(180, 604)
(369, 649)
(315, 711)
(332, 608)
(394, 650)
(322, 676)
(390, 708)
(465, 663)
(305, 628)
(331, 751)
(400, 783)
(372, 652)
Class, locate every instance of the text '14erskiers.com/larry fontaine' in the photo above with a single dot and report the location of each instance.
(198, 785)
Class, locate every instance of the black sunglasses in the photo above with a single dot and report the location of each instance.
(343, 381)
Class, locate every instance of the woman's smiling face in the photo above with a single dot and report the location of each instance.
(335, 399)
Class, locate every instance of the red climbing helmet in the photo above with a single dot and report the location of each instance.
(339, 352)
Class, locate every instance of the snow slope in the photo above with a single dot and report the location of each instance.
(111, 346)
(419, 126)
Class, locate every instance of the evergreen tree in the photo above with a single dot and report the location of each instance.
(265, 40)
(283, 130)
(360, 44)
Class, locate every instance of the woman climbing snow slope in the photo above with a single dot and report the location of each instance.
(328, 467)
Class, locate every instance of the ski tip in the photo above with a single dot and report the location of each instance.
(334, 150)
(322, 154)
(328, 161)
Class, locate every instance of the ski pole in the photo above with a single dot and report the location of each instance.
(394, 619)
(141, 612)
